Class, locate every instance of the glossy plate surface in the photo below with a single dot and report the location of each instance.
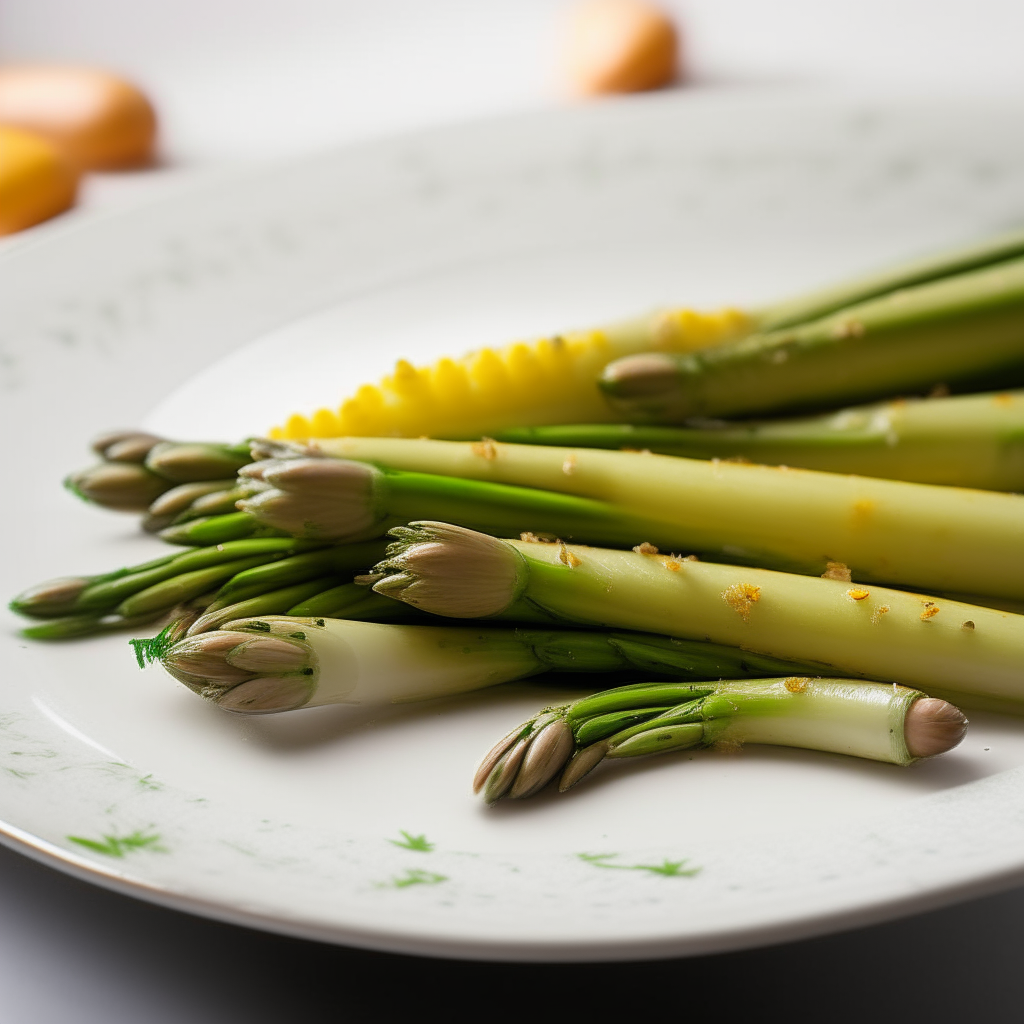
(214, 313)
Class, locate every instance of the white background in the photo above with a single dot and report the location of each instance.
(242, 80)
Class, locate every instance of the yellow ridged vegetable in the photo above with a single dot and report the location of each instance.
(551, 380)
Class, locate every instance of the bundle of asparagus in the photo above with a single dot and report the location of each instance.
(283, 540)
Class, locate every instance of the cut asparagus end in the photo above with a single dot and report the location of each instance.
(315, 497)
(451, 571)
(933, 726)
(121, 486)
(644, 376)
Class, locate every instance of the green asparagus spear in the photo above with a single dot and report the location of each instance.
(946, 264)
(935, 538)
(929, 643)
(903, 342)
(961, 441)
(872, 720)
(285, 662)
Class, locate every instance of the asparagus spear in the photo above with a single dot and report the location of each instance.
(947, 330)
(936, 538)
(138, 468)
(278, 663)
(962, 441)
(260, 576)
(872, 720)
(933, 644)
(952, 262)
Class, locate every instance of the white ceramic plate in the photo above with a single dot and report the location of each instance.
(214, 313)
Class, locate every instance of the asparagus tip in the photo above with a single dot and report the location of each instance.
(186, 462)
(449, 570)
(124, 442)
(545, 756)
(933, 726)
(582, 764)
(49, 598)
(314, 497)
(266, 695)
(124, 486)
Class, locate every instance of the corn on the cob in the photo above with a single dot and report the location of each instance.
(551, 381)
(527, 383)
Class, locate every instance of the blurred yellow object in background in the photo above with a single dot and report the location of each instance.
(619, 46)
(100, 121)
(36, 180)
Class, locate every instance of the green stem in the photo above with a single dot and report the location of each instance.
(357, 662)
(928, 537)
(905, 342)
(819, 303)
(963, 441)
(851, 630)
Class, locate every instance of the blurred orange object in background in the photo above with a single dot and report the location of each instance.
(617, 46)
(36, 180)
(98, 120)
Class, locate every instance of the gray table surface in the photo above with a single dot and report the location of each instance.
(73, 952)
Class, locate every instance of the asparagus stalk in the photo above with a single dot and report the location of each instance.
(947, 330)
(952, 262)
(936, 645)
(278, 663)
(872, 720)
(262, 576)
(962, 441)
(935, 538)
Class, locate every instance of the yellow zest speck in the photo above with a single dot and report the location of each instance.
(741, 597)
(1003, 398)
(796, 685)
(876, 615)
(569, 465)
(930, 610)
(858, 595)
(967, 625)
(672, 565)
(645, 549)
(862, 511)
(485, 448)
(566, 557)
(837, 571)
